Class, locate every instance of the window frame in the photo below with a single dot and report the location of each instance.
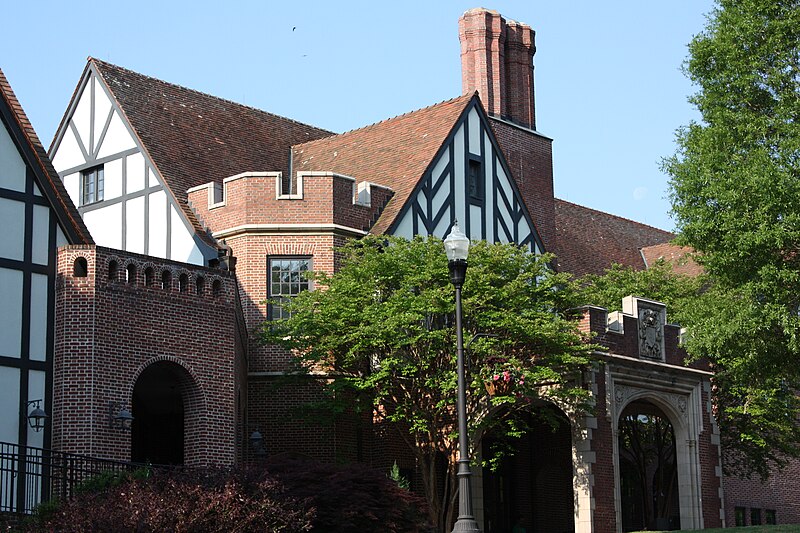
(95, 177)
(475, 162)
(272, 307)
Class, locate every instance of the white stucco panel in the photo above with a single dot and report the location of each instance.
(134, 225)
(474, 132)
(460, 173)
(68, 154)
(9, 404)
(36, 381)
(12, 238)
(182, 244)
(117, 138)
(105, 225)
(12, 166)
(41, 235)
(102, 107)
(112, 179)
(38, 335)
(135, 177)
(10, 312)
(157, 237)
(72, 182)
(82, 117)
(405, 228)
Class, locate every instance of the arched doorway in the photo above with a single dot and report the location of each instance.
(648, 469)
(160, 397)
(532, 488)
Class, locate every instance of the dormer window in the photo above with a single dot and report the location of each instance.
(92, 185)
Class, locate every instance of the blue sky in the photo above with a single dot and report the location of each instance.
(609, 90)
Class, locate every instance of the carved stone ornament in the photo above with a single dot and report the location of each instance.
(651, 334)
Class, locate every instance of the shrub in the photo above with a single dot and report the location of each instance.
(285, 496)
(187, 502)
(352, 497)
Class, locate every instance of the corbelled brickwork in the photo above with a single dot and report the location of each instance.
(118, 314)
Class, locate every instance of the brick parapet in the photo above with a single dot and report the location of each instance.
(318, 199)
(112, 325)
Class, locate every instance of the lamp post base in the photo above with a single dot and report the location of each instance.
(464, 525)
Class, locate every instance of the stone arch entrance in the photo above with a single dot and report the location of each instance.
(680, 409)
(166, 409)
(534, 486)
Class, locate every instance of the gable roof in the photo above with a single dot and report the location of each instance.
(394, 153)
(680, 257)
(50, 184)
(193, 138)
(589, 241)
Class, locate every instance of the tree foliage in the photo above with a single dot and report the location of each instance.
(382, 328)
(736, 198)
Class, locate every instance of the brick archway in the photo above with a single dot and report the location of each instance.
(169, 412)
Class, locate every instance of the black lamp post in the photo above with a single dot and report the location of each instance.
(456, 246)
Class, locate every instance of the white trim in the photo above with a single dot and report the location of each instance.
(304, 229)
(519, 127)
(656, 364)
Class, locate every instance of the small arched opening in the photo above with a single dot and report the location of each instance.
(80, 269)
(166, 408)
(113, 270)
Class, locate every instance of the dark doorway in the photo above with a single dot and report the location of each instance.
(158, 424)
(532, 488)
(647, 469)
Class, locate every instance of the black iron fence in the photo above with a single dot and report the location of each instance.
(30, 476)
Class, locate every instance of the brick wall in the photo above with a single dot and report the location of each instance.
(109, 330)
(530, 158)
(781, 493)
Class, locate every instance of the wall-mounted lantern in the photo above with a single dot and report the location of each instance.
(119, 417)
(36, 416)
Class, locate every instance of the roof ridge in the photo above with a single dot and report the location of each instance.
(616, 216)
(390, 119)
(101, 63)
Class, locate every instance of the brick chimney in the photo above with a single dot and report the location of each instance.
(497, 60)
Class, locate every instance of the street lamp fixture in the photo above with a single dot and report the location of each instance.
(456, 245)
(37, 416)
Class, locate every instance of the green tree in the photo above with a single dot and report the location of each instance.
(736, 198)
(382, 327)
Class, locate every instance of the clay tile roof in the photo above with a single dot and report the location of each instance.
(50, 184)
(194, 138)
(679, 256)
(590, 241)
(394, 153)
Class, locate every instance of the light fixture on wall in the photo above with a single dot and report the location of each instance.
(118, 416)
(36, 416)
(257, 444)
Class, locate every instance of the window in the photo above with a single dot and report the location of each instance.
(771, 517)
(755, 517)
(288, 276)
(92, 185)
(475, 180)
(739, 516)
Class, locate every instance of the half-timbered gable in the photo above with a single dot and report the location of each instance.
(37, 217)
(469, 180)
(443, 164)
(130, 146)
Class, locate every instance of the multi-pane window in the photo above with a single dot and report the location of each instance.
(92, 185)
(288, 276)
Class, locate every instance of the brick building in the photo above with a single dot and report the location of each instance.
(201, 209)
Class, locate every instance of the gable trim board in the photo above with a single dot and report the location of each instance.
(91, 81)
(495, 199)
